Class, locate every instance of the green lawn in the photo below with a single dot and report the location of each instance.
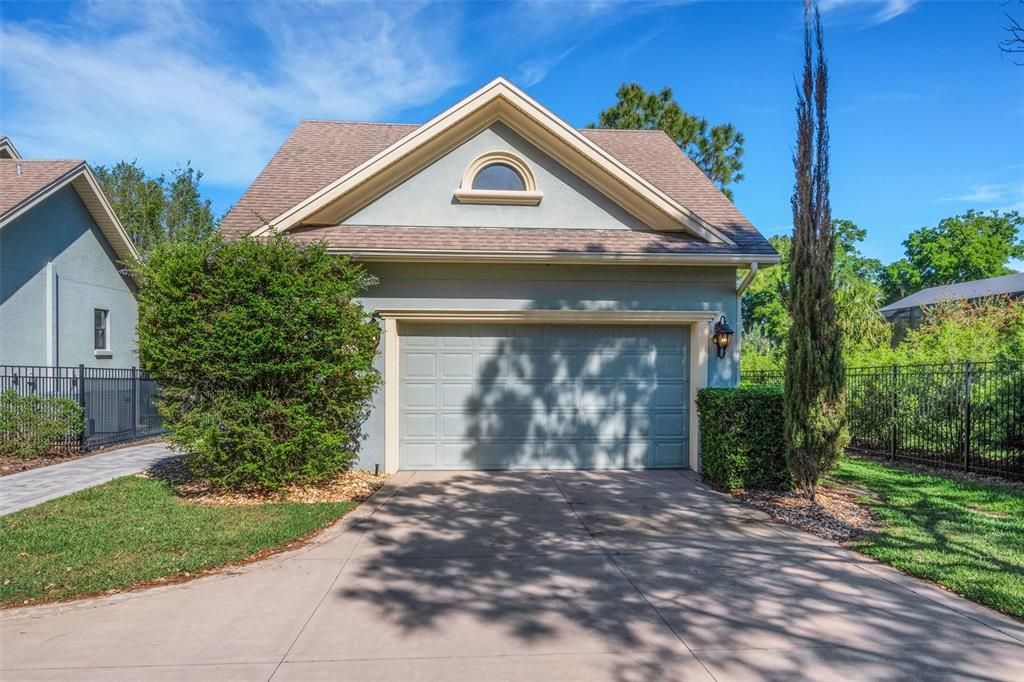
(133, 530)
(967, 537)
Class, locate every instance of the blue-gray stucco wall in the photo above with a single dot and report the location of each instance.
(547, 287)
(426, 198)
(61, 230)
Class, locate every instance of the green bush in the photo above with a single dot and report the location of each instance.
(264, 356)
(741, 431)
(30, 425)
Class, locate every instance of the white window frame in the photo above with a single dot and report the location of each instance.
(528, 196)
(101, 352)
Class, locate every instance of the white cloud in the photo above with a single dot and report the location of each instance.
(534, 71)
(162, 83)
(1002, 195)
(882, 10)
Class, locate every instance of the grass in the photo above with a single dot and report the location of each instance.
(967, 537)
(133, 530)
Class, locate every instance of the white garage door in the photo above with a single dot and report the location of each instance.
(542, 396)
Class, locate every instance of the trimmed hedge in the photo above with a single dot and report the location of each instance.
(742, 442)
(264, 355)
(31, 425)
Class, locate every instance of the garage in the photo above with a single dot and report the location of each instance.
(543, 396)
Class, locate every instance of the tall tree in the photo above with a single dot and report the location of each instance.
(716, 150)
(138, 201)
(187, 216)
(152, 209)
(814, 404)
(854, 279)
(959, 249)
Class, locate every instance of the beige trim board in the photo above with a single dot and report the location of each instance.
(499, 100)
(436, 256)
(699, 322)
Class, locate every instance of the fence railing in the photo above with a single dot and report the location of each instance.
(966, 416)
(118, 405)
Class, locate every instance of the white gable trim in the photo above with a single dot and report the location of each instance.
(7, 147)
(87, 187)
(497, 101)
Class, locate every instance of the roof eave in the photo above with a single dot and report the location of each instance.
(554, 257)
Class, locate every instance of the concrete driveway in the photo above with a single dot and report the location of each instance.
(508, 576)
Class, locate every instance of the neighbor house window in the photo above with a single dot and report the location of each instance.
(498, 177)
(101, 324)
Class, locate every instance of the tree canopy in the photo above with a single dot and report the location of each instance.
(153, 209)
(857, 297)
(717, 150)
(961, 248)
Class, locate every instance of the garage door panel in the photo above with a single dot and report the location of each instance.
(421, 396)
(420, 426)
(670, 454)
(457, 365)
(420, 456)
(542, 396)
(419, 365)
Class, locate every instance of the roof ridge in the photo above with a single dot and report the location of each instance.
(359, 123)
(46, 160)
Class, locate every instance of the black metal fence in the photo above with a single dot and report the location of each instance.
(118, 405)
(967, 416)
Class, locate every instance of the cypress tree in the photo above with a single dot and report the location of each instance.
(814, 405)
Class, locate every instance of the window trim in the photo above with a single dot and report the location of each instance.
(529, 196)
(106, 351)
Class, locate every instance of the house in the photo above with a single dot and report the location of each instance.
(909, 311)
(64, 298)
(547, 294)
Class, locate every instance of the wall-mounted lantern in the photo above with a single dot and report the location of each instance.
(722, 336)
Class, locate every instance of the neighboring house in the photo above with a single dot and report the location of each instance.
(547, 294)
(7, 150)
(909, 311)
(64, 299)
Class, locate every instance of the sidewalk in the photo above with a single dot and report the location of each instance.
(29, 488)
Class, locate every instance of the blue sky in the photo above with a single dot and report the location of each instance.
(927, 115)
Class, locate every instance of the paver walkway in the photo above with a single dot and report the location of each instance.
(29, 488)
(531, 576)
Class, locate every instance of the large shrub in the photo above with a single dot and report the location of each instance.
(31, 425)
(742, 437)
(264, 356)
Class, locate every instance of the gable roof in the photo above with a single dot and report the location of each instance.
(7, 150)
(26, 183)
(498, 101)
(964, 291)
(306, 174)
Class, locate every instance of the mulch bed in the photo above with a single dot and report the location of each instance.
(347, 486)
(835, 515)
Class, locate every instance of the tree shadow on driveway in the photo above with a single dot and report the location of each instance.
(639, 575)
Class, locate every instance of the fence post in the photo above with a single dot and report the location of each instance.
(81, 404)
(967, 415)
(135, 402)
(895, 408)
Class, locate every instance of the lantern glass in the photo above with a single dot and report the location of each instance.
(721, 336)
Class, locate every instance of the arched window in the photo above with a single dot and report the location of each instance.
(499, 177)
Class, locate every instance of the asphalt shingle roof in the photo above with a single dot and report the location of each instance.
(18, 188)
(317, 153)
(979, 288)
